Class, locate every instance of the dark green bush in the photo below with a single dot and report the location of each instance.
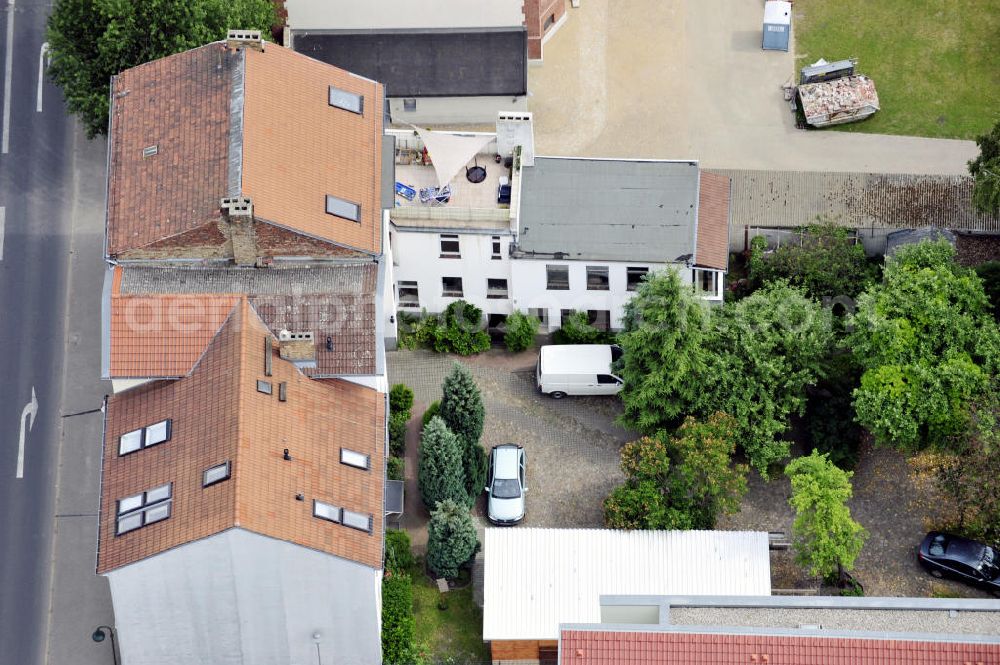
(398, 555)
(989, 272)
(431, 411)
(397, 620)
(400, 399)
(395, 468)
(521, 331)
(830, 413)
(576, 329)
(397, 433)
(461, 330)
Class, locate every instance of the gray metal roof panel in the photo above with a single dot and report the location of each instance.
(609, 209)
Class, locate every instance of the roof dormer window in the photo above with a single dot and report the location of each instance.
(139, 510)
(144, 437)
(347, 101)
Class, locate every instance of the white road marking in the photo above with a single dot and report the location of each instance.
(7, 73)
(43, 61)
(3, 220)
(30, 409)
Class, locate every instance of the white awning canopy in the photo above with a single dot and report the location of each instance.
(451, 152)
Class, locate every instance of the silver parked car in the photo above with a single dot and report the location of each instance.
(505, 485)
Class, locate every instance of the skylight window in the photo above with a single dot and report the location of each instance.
(144, 437)
(145, 508)
(347, 100)
(264, 387)
(351, 458)
(359, 521)
(325, 511)
(215, 474)
(341, 208)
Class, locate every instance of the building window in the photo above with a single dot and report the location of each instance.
(705, 280)
(344, 209)
(542, 314)
(409, 295)
(347, 101)
(357, 460)
(599, 318)
(597, 278)
(264, 387)
(147, 507)
(496, 256)
(634, 276)
(449, 246)
(564, 315)
(326, 511)
(557, 278)
(215, 474)
(359, 521)
(496, 288)
(144, 437)
(409, 105)
(451, 287)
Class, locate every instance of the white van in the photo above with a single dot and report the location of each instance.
(577, 369)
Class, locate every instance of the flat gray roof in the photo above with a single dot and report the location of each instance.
(609, 209)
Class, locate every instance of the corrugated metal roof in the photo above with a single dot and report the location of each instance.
(536, 579)
(609, 209)
(787, 199)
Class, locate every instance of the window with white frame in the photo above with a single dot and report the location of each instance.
(139, 510)
(216, 474)
(327, 511)
(497, 250)
(451, 287)
(409, 295)
(359, 521)
(597, 278)
(144, 437)
(706, 280)
(496, 288)
(450, 247)
(634, 276)
(342, 208)
(355, 459)
(557, 278)
(348, 101)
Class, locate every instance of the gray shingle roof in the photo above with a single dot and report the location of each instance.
(609, 209)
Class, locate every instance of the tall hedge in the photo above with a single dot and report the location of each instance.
(462, 410)
(440, 475)
(397, 620)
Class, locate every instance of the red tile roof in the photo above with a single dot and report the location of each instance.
(712, 248)
(217, 414)
(607, 647)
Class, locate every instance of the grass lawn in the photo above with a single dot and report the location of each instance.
(936, 64)
(456, 632)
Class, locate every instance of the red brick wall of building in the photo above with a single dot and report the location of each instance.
(536, 14)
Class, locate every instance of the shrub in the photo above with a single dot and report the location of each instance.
(830, 413)
(521, 331)
(440, 475)
(397, 620)
(431, 411)
(395, 468)
(462, 411)
(398, 555)
(451, 539)
(576, 329)
(400, 399)
(397, 433)
(460, 330)
(989, 272)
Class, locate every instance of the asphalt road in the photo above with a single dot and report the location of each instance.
(36, 195)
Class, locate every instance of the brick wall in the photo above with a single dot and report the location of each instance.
(536, 14)
(276, 241)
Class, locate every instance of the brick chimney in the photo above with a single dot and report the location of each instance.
(236, 39)
(298, 348)
(237, 216)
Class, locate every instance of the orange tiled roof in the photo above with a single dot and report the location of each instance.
(712, 249)
(240, 122)
(217, 414)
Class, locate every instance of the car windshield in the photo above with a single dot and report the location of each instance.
(506, 489)
(989, 563)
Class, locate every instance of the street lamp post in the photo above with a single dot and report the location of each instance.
(98, 636)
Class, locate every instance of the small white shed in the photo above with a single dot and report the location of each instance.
(777, 25)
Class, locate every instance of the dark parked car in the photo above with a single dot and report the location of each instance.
(968, 561)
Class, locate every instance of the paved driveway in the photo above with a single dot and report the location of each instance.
(571, 444)
(675, 79)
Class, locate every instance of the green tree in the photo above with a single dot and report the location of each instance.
(459, 330)
(681, 482)
(398, 624)
(398, 555)
(985, 169)
(451, 539)
(927, 344)
(825, 260)
(576, 329)
(462, 411)
(521, 331)
(663, 361)
(440, 476)
(763, 352)
(92, 40)
(825, 538)
(989, 272)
